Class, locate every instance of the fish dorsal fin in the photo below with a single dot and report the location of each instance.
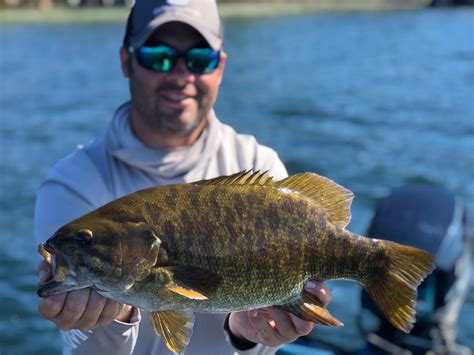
(246, 177)
(174, 327)
(334, 199)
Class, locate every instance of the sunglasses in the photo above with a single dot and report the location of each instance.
(163, 58)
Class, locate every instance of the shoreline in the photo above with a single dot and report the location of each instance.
(228, 11)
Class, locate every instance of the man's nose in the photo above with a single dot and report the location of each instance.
(180, 71)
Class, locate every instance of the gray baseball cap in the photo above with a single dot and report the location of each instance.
(147, 15)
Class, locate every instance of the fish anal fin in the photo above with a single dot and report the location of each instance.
(308, 308)
(190, 281)
(246, 177)
(174, 327)
(334, 199)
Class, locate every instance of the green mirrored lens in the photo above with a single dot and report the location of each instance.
(160, 58)
(202, 60)
(163, 58)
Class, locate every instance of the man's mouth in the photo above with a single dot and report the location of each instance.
(177, 99)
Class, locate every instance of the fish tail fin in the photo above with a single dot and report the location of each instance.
(395, 294)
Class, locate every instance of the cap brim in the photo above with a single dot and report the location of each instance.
(214, 40)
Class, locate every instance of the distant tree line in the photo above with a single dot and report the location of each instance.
(83, 3)
(71, 3)
(48, 4)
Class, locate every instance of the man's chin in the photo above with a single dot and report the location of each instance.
(182, 126)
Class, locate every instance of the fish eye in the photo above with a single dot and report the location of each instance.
(83, 236)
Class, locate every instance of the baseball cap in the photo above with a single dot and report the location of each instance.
(147, 15)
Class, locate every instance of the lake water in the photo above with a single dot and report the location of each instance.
(371, 100)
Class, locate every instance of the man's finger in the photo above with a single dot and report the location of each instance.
(51, 306)
(73, 309)
(44, 271)
(319, 290)
(109, 312)
(302, 327)
(264, 333)
(89, 318)
(284, 327)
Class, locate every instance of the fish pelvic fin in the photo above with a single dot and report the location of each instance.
(308, 308)
(395, 294)
(174, 327)
(334, 199)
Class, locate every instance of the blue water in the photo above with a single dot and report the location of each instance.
(371, 100)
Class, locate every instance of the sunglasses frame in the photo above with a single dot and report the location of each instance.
(174, 58)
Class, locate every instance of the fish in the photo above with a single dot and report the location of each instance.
(227, 244)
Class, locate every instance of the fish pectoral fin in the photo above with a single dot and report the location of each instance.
(191, 282)
(186, 292)
(307, 309)
(174, 327)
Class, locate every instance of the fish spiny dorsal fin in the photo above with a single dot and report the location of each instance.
(246, 177)
(334, 199)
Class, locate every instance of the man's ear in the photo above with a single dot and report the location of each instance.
(125, 61)
(222, 62)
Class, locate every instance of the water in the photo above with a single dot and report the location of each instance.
(372, 100)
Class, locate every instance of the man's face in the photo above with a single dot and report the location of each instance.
(172, 102)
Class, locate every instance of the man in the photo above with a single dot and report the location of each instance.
(168, 133)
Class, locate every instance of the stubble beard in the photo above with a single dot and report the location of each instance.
(167, 123)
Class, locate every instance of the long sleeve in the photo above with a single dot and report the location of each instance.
(119, 336)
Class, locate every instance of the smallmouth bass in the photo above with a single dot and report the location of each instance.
(227, 244)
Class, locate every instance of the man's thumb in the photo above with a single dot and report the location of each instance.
(44, 271)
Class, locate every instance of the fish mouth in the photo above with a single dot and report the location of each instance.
(55, 261)
(64, 279)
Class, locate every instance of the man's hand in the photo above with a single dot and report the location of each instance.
(81, 309)
(272, 326)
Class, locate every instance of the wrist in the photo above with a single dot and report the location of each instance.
(126, 314)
